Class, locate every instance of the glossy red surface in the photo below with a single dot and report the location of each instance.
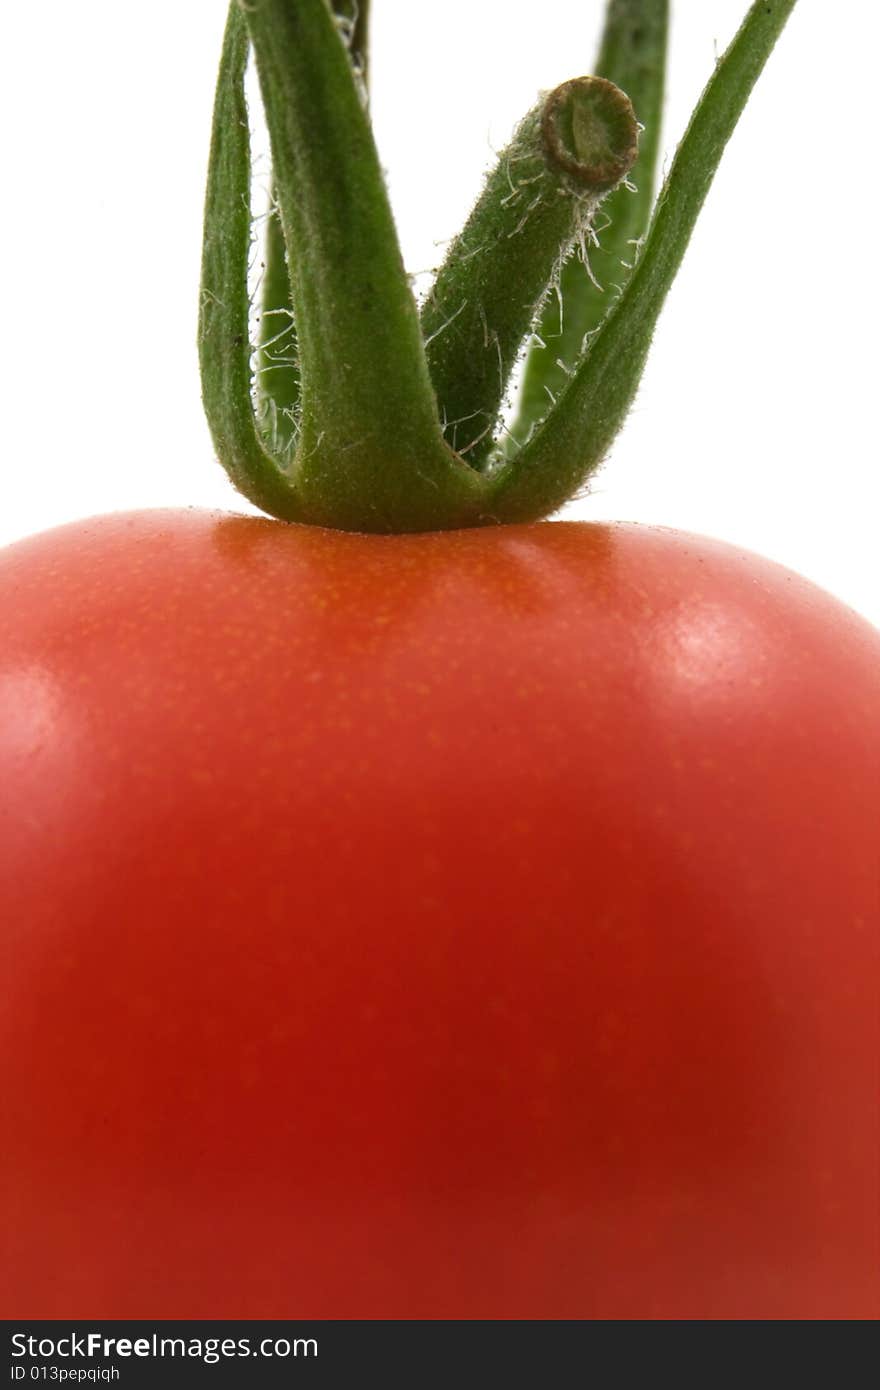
(471, 925)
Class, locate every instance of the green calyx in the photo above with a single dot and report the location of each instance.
(353, 410)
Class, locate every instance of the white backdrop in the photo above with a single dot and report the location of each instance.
(756, 420)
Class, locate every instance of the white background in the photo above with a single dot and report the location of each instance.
(756, 420)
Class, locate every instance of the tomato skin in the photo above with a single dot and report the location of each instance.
(482, 924)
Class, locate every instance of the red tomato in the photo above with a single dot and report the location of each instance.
(479, 924)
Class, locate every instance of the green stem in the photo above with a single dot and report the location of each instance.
(574, 438)
(224, 344)
(371, 454)
(632, 54)
(278, 375)
(370, 451)
(565, 156)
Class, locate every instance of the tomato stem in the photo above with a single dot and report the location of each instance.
(632, 54)
(278, 375)
(370, 451)
(573, 439)
(349, 433)
(224, 345)
(540, 199)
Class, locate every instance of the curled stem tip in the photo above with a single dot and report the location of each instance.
(575, 436)
(589, 130)
(632, 55)
(538, 202)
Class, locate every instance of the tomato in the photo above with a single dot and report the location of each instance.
(479, 924)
